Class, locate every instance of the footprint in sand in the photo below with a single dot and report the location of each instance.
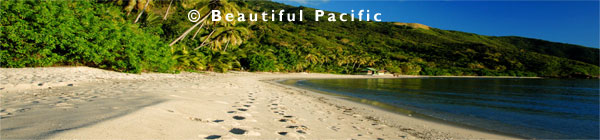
(5, 114)
(212, 137)
(16, 109)
(218, 121)
(301, 127)
(237, 131)
(291, 126)
(283, 120)
(334, 128)
(239, 117)
(282, 133)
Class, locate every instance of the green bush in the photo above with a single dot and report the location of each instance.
(53, 33)
(259, 62)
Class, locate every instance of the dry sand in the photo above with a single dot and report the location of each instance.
(89, 103)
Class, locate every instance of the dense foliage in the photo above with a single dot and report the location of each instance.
(50, 33)
(102, 35)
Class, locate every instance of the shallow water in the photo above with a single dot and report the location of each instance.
(534, 108)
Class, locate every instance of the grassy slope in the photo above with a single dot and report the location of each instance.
(451, 52)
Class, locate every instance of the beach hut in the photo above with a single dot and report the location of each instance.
(381, 72)
(369, 71)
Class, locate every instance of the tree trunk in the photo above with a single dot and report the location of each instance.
(166, 14)
(226, 46)
(206, 39)
(140, 15)
(188, 30)
(198, 31)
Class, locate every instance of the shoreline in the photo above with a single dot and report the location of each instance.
(397, 110)
(90, 103)
(387, 115)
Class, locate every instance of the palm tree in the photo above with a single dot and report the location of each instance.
(221, 61)
(150, 20)
(186, 59)
(340, 61)
(362, 61)
(323, 60)
(208, 5)
(372, 61)
(222, 5)
(225, 7)
(311, 58)
(228, 35)
(200, 28)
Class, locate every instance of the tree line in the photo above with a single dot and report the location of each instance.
(144, 35)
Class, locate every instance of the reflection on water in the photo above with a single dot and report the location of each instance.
(537, 108)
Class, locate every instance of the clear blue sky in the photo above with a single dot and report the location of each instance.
(573, 22)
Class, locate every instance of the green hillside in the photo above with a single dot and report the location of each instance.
(101, 34)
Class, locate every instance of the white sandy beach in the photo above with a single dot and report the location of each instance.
(90, 103)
